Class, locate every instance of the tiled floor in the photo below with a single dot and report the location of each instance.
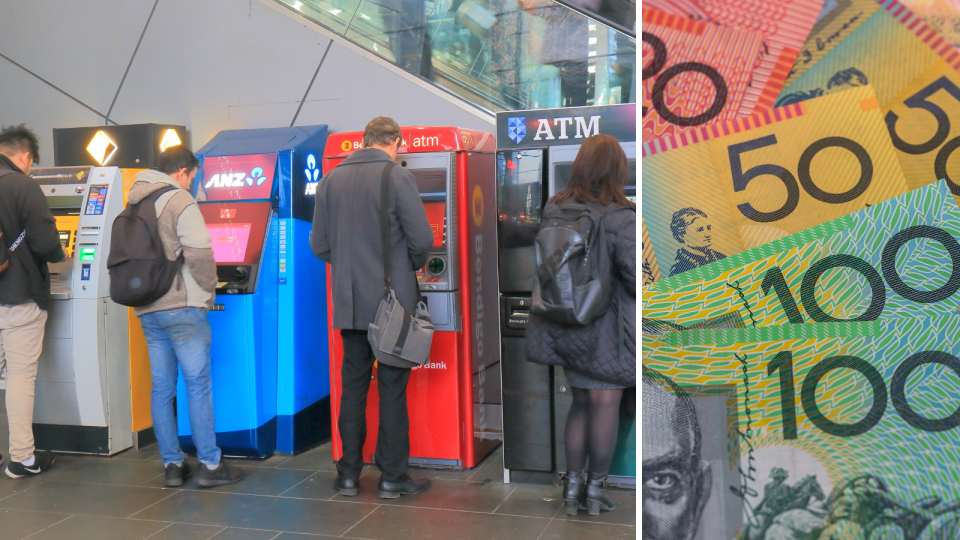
(285, 498)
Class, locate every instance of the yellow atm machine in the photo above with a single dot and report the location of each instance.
(83, 382)
(133, 148)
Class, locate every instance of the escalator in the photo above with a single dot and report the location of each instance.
(495, 55)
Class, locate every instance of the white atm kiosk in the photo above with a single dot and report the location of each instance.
(83, 382)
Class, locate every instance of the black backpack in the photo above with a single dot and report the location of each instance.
(574, 281)
(140, 273)
(6, 252)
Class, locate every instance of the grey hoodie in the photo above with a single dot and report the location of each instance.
(183, 232)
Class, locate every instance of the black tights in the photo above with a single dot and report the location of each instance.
(592, 429)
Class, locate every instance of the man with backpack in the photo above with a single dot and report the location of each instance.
(175, 324)
(28, 240)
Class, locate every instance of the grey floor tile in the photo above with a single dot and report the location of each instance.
(443, 494)
(625, 513)
(98, 470)
(405, 523)
(318, 459)
(244, 534)
(576, 530)
(257, 481)
(252, 511)
(181, 531)
(87, 499)
(295, 536)
(533, 501)
(18, 524)
(319, 486)
(491, 470)
(10, 486)
(271, 462)
(149, 452)
(99, 528)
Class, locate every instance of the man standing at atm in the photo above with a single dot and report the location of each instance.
(25, 221)
(346, 233)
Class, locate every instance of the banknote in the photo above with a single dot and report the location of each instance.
(722, 189)
(694, 72)
(837, 20)
(651, 270)
(942, 15)
(890, 49)
(828, 430)
(897, 260)
(784, 24)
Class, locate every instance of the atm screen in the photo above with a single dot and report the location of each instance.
(437, 216)
(432, 184)
(561, 177)
(229, 242)
(96, 200)
(236, 229)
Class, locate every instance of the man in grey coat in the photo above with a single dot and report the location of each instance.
(346, 233)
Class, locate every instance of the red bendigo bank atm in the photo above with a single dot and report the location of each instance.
(454, 400)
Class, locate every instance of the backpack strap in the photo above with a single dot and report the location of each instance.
(157, 194)
(385, 222)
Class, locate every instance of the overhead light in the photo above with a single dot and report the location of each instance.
(589, 26)
(592, 53)
(591, 69)
(592, 41)
(334, 11)
(170, 138)
(364, 16)
(101, 148)
(297, 5)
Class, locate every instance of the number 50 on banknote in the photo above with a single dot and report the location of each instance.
(720, 190)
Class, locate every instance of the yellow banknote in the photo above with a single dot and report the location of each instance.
(723, 189)
(837, 20)
(651, 270)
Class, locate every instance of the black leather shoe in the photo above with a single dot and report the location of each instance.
(349, 487)
(404, 486)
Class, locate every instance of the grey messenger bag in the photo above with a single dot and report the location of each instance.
(397, 339)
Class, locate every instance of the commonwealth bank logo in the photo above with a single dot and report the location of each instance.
(516, 128)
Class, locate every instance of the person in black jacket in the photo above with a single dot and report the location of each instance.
(599, 175)
(25, 220)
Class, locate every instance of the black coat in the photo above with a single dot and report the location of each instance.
(595, 348)
(346, 233)
(24, 207)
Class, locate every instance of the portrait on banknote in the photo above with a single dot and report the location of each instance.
(693, 229)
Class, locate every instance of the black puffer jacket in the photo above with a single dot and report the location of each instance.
(24, 207)
(595, 348)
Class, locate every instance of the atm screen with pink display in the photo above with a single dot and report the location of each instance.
(229, 241)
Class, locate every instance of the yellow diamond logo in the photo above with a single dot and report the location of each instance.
(101, 148)
(80, 175)
(170, 138)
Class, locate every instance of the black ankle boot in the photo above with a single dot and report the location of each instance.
(597, 498)
(573, 483)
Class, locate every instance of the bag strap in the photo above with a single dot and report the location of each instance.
(385, 221)
(156, 194)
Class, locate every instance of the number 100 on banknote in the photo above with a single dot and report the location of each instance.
(728, 187)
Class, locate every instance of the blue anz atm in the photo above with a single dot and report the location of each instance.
(270, 365)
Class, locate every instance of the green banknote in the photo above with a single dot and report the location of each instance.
(895, 260)
(827, 431)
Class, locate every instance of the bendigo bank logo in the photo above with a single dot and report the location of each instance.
(477, 206)
(232, 179)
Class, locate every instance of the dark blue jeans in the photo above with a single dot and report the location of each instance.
(181, 336)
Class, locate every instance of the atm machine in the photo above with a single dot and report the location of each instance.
(271, 390)
(83, 382)
(453, 399)
(535, 154)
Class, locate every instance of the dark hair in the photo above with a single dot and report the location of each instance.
(599, 173)
(679, 223)
(175, 158)
(20, 138)
(847, 76)
(381, 131)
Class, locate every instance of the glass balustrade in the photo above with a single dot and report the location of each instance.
(495, 54)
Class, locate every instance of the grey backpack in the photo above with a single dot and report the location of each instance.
(574, 280)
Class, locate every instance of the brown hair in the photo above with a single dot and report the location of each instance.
(599, 173)
(381, 131)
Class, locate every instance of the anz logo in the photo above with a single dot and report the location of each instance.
(313, 175)
(237, 179)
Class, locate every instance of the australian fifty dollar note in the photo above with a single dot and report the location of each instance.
(896, 260)
(834, 431)
(914, 72)
(725, 188)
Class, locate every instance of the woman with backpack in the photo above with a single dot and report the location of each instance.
(598, 355)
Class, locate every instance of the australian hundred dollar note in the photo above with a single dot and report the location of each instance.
(784, 25)
(914, 72)
(897, 260)
(828, 430)
(694, 72)
(722, 189)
